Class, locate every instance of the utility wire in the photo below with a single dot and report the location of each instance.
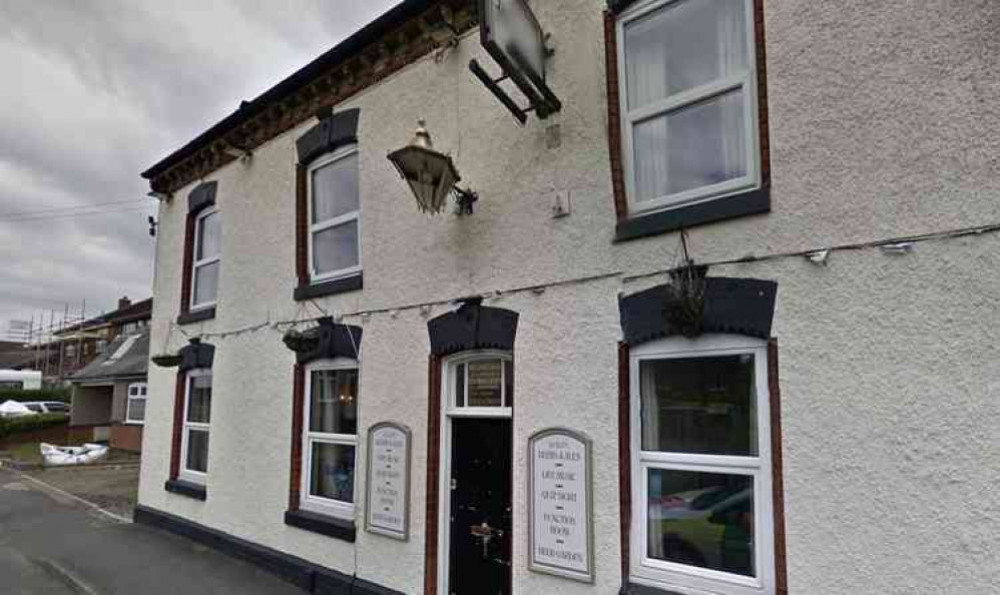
(541, 288)
(74, 215)
(71, 208)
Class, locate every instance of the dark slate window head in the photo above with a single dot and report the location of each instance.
(337, 130)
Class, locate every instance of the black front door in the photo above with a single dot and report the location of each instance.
(479, 560)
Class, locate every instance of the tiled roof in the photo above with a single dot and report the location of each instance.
(127, 356)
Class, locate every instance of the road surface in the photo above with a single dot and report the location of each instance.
(54, 545)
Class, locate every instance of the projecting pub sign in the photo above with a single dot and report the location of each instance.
(561, 515)
(388, 485)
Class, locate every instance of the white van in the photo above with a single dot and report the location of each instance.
(20, 379)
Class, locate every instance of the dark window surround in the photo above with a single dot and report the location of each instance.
(639, 225)
(195, 355)
(196, 316)
(333, 131)
(729, 305)
(473, 326)
(320, 523)
(625, 473)
(331, 340)
(201, 198)
(186, 488)
(354, 282)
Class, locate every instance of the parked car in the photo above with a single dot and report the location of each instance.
(47, 406)
(711, 528)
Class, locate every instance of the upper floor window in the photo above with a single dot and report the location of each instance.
(330, 438)
(197, 420)
(334, 216)
(701, 466)
(688, 101)
(135, 411)
(205, 259)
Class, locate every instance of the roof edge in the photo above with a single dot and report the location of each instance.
(373, 33)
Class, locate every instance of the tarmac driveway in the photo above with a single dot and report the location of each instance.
(54, 545)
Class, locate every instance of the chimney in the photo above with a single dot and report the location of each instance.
(124, 302)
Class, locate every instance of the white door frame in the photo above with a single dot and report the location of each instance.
(449, 412)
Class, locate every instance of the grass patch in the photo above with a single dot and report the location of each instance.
(29, 423)
(26, 453)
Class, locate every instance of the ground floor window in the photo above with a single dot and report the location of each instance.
(135, 410)
(701, 466)
(330, 438)
(197, 420)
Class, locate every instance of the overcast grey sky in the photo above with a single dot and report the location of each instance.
(93, 93)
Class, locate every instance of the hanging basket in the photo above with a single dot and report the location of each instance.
(300, 342)
(684, 304)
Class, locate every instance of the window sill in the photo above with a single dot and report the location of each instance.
(344, 285)
(322, 524)
(186, 488)
(196, 316)
(753, 202)
(634, 589)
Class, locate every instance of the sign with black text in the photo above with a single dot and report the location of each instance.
(561, 514)
(388, 486)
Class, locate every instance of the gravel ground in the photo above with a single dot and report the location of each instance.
(112, 487)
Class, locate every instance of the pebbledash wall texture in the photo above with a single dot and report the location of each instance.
(882, 123)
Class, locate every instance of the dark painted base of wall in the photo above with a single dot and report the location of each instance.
(304, 574)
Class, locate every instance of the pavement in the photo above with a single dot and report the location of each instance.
(52, 543)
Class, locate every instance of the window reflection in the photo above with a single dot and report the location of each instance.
(702, 405)
(702, 519)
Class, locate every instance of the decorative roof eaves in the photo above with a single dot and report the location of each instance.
(402, 36)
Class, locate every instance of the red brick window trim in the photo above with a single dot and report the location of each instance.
(180, 392)
(188, 266)
(298, 402)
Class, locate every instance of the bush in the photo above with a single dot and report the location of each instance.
(43, 394)
(30, 423)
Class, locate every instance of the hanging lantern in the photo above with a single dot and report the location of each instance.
(431, 175)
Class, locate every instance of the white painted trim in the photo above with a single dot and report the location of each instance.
(448, 413)
(144, 387)
(185, 473)
(317, 504)
(197, 264)
(679, 577)
(747, 82)
(314, 228)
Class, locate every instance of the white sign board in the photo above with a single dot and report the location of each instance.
(561, 515)
(511, 24)
(388, 486)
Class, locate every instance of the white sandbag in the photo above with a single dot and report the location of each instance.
(64, 456)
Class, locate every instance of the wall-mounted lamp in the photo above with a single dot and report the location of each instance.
(431, 175)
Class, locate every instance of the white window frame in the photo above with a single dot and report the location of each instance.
(504, 410)
(307, 501)
(314, 228)
(629, 118)
(142, 389)
(185, 473)
(683, 578)
(197, 264)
